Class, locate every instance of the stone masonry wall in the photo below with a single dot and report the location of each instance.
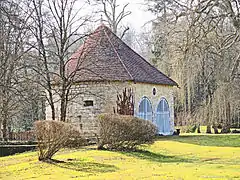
(104, 96)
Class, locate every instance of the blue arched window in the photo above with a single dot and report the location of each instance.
(163, 117)
(145, 109)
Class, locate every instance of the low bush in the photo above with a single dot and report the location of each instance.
(76, 141)
(52, 136)
(191, 129)
(121, 132)
(7, 150)
(235, 131)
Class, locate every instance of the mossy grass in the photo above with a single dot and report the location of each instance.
(179, 157)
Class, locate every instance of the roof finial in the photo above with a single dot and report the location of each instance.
(101, 20)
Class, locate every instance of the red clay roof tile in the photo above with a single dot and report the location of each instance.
(104, 56)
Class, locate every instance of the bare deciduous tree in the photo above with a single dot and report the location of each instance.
(13, 38)
(56, 27)
(114, 16)
(199, 41)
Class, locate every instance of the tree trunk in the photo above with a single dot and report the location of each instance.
(5, 114)
(215, 129)
(9, 133)
(53, 111)
(208, 131)
(4, 130)
(199, 129)
(226, 124)
(63, 108)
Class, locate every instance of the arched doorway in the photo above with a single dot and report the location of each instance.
(145, 109)
(163, 117)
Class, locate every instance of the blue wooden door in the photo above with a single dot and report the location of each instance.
(145, 109)
(163, 117)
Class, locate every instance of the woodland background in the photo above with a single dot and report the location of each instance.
(195, 42)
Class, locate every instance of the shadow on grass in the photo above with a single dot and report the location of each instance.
(206, 140)
(84, 166)
(155, 157)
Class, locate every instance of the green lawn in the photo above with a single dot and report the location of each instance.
(185, 157)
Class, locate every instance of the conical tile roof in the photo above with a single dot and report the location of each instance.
(105, 57)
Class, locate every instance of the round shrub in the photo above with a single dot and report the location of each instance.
(54, 135)
(122, 132)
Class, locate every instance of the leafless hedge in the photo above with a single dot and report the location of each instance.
(54, 135)
(124, 132)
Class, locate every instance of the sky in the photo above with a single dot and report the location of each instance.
(136, 21)
(139, 16)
